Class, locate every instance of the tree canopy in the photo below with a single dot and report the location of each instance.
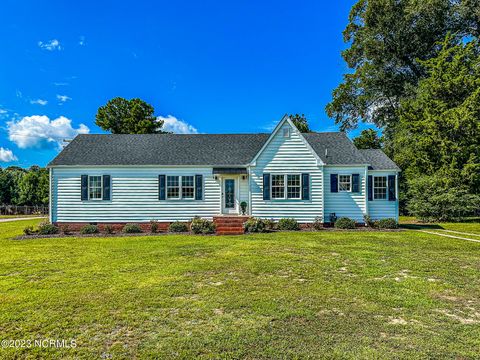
(24, 187)
(368, 139)
(122, 116)
(301, 122)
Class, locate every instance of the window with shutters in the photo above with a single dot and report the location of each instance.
(379, 187)
(173, 187)
(293, 186)
(188, 187)
(344, 182)
(95, 188)
(278, 186)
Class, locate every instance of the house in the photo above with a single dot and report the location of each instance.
(173, 177)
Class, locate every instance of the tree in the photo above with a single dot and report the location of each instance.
(122, 116)
(368, 139)
(439, 126)
(33, 187)
(388, 40)
(301, 122)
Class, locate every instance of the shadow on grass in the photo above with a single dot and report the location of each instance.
(421, 226)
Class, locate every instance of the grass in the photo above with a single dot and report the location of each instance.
(291, 295)
(20, 216)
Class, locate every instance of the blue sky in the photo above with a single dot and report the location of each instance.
(217, 66)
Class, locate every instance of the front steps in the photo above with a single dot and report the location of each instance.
(230, 225)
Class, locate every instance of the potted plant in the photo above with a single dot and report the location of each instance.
(243, 207)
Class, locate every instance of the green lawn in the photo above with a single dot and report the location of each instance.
(326, 294)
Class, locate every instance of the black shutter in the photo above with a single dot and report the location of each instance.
(391, 188)
(333, 183)
(106, 187)
(84, 187)
(161, 187)
(305, 187)
(266, 186)
(198, 187)
(370, 188)
(355, 183)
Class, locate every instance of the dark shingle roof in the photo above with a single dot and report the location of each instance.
(204, 149)
(340, 150)
(378, 160)
(161, 149)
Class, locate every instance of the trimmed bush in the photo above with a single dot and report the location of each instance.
(243, 207)
(89, 229)
(368, 221)
(108, 229)
(47, 229)
(153, 226)
(255, 225)
(132, 229)
(29, 230)
(345, 223)
(178, 226)
(318, 223)
(65, 229)
(386, 224)
(288, 224)
(202, 226)
(269, 224)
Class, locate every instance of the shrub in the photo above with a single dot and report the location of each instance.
(47, 229)
(202, 226)
(345, 223)
(288, 224)
(29, 230)
(368, 221)
(65, 229)
(132, 229)
(269, 224)
(178, 226)
(438, 198)
(153, 226)
(318, 223)
(243, 207)
(255, 225)
(89, 229)
(108, 229)
(386, 224)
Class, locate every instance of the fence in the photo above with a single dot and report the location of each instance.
(23, 210)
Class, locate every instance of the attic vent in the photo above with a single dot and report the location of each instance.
(286, 132)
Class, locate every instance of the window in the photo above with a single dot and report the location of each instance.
(286, 132)
(95, 187)
(293, 186)
(344, 183)
(278, 186)
(188, 187)
(173, 187)
(379, 187)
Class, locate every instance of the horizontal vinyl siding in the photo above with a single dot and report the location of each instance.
(381, 209)
(287, 156)
(134, 196)
(345, 204)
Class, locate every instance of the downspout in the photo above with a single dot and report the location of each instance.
(50, 189)
(397, 196)
(365, 194)
(249, 212)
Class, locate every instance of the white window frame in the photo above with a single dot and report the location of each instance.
(349, 182)
(285, 187)
(380, 187)
(101, 187)
(180, 188)
(299, 186)
(286, 132)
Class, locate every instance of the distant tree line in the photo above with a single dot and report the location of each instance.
(20, 186)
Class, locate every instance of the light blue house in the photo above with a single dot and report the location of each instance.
(169, 177)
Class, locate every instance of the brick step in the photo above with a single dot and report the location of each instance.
(229, 223)
(229, 232)
(229, 228)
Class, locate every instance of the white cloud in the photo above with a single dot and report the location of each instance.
(6, 155)
(63, 98)
(172, 124)
(39, 102)
(38, 131)
(81, 42)
(3, 111)
(50, 45)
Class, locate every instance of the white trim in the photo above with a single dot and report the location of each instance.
(180, 188)
(286, 119)
(101, 187)
(285, 186)
(386, 187)
(350, 182)
(236, 208)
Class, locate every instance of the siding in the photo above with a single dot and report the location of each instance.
(348, 204)
(134, 196)
(287, 155)
(380, 209)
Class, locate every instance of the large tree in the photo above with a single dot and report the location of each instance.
(122, 116)
(301, 122)
(439, 126)
(368, 139)
(388, 40)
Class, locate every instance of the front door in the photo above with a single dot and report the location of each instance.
(229, 196)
